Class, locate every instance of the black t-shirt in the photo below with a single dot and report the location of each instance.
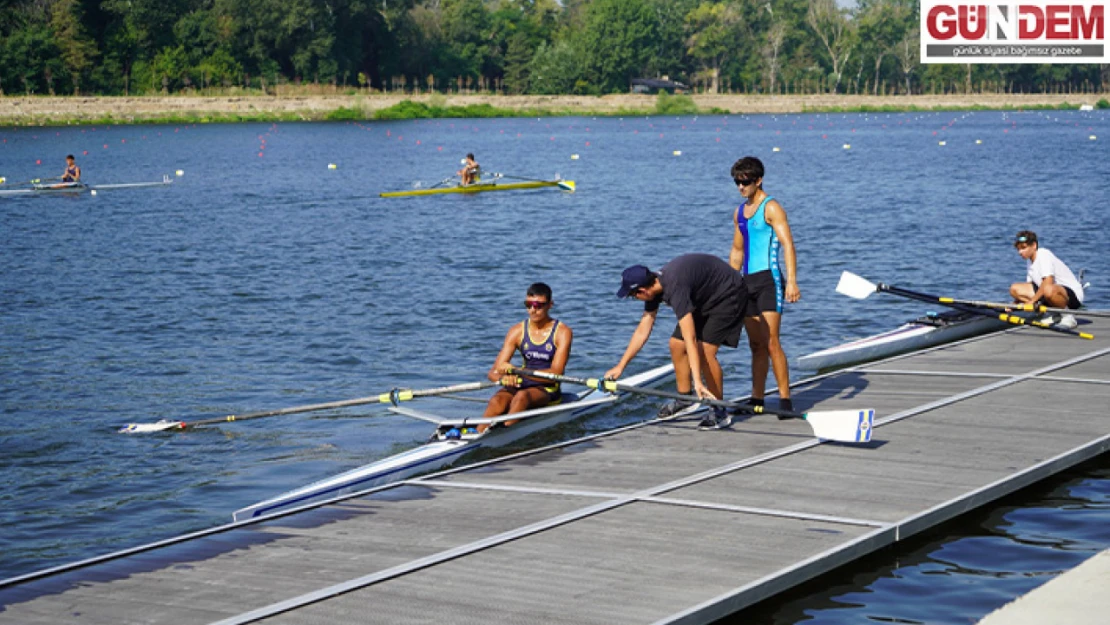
(697, 282)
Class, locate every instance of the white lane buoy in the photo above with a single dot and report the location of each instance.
(774, 149)
(180, 173)
(942, 143)
(978, 142)
(847, 146)
(1092, 137)
(92, 192)
(677, 152)
(331, 165)
(573, 157)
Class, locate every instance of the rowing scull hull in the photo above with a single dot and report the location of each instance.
(75, 189)
(72, 189)
(481, 187)
(442, 451)
(917, 334)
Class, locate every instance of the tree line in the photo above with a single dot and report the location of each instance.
(114, 47)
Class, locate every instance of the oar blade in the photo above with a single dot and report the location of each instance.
(567, 185)
(856, 287)
(845, 426)
(144, 428)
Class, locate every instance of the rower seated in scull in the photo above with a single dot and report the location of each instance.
(545, 345)
(470, 173)
(72, 173)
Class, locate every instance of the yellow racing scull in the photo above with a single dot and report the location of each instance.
(481, 187)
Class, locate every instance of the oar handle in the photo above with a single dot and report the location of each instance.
(612, 386)
(1004, 317)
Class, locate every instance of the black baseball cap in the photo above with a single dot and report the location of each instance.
(635, 277)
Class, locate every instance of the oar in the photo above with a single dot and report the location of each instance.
(858, 287)
(438, 184)
(1025, 307)
(519, 178)
(392, 397)
(31, 181)
(565, 185)
(847, 426)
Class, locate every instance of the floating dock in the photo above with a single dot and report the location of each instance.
(1076, 597)
(653, 523)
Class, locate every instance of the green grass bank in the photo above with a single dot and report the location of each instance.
(61, 111)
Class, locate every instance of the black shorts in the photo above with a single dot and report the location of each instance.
(719, 325)
(1073, 301)
(765, 293)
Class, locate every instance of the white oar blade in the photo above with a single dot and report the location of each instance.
(845, 426)
(143, 428)
(855, 286)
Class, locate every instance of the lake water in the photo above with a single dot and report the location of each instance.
(264, 279)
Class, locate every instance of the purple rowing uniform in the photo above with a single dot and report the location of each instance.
(70, 175)
(539, 356)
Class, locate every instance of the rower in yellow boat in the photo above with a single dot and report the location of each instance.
(470, 173)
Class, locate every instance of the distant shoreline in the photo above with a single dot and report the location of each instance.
(66, 110)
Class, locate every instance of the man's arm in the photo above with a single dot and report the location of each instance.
(690, 341)
(1042, 267)
(736, 253)
(776, 218)
(635, 344)
(563, 339)
(1038, 295)
(508, 348)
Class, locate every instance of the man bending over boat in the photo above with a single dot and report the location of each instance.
(545, 345)
(707, 296)
(469, 172)
(1049, 282)
(72, 174)
(760, 232)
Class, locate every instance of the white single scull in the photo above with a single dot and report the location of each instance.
(74, 188)
(927, 331)
(453, 438)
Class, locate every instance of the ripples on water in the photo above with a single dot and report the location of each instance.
(269, 281)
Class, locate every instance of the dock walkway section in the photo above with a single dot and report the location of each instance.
(653, 523)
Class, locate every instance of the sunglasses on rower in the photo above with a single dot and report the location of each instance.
(743, 182)
(534, 304)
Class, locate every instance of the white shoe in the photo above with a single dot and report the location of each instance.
(1066, 322)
